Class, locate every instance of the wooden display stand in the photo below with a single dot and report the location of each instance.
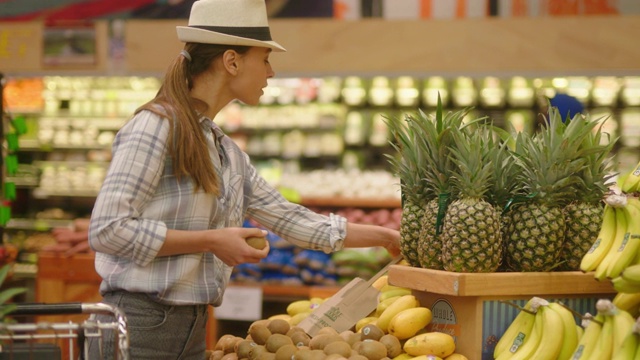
(475, 308)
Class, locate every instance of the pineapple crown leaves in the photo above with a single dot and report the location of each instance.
(407, 162)
(598, 172)
(473, 153)
(435, 143)
(549, 160)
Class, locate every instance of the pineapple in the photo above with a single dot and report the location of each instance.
(471, 231)
(408, 166)
(547, 161)
(436, 135)
(584, 215)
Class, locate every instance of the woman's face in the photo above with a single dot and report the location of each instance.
(252, 74)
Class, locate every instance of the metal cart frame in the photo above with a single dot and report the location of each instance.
(24, 337)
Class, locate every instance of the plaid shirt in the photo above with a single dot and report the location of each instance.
(141, 198)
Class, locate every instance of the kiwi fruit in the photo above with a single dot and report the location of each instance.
(275, 341)
(341, 348)
(279, 326)
(216, 355)
(294, 329)
(257, 242)
(259, 333)
(327, 330)
(371, 332)
(256, 352)
(372, 349)
(353, 338)
(230, 356)
(318, 342)
(243, 347)
(357, 357)
(286, 352)
(393, 345)
(300, 338)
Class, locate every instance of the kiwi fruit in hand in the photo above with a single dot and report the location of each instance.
(257, 242)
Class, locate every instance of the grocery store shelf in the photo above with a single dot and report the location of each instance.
(350, 202)
(40, 193)
(497, 284)
(292, 291)
(38, 224)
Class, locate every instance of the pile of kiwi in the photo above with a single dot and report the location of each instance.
(276, 339)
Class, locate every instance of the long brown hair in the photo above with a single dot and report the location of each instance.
(187, 143)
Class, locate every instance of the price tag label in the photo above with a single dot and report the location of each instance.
(240, 303)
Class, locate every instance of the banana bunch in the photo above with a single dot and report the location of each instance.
(605, 334)
(630, 182)
(629, 302)
(615, 248)
(542, 330)
(628, 282)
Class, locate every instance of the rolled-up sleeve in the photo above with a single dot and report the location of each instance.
(117, 227)
(294, 223)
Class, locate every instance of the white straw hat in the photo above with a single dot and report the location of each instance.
(229, 22)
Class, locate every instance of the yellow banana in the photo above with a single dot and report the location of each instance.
(601, 246)
(297, 318)
(621, 230)
(383, 305)
(630, 245)
(391, 293)
(626, 301)
(627, 349)
(381, 282)
(622, 325)
(528, 345)
(519, 329)
(405, 302)
(389, 287)
(587, 343)
(550, 343)
(604, 343)
(299, 306)
(570, 336)
(408, 322)
(579, 332)
(632, 180)
(623, 285)
(632, 273)
(364, 321)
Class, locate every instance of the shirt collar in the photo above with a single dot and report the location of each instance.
(214, 127)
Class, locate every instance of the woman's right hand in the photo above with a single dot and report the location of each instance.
(230, 245)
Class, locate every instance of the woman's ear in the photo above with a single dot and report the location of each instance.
(230, 61)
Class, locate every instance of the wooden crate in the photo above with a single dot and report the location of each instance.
(475, 308)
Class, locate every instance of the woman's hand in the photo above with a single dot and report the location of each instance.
(230, 245)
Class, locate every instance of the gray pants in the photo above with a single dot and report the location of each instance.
(156, 331)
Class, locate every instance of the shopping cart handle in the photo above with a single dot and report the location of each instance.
(24, 309)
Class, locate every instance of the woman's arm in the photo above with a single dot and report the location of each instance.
(360, 235)
(228, 244)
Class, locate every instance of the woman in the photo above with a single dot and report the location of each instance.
(167, 224)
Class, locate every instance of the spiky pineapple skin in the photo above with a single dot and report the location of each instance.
(583, 222)
(535, 237)
(430, 244)
(471, 237)
(410, 226)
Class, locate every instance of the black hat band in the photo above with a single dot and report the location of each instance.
(256, 33)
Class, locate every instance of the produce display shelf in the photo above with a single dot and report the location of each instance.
(495, 284)
(350, 202)
(476, 308)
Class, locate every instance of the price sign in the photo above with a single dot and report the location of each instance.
(240, 303)
(20, 46)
